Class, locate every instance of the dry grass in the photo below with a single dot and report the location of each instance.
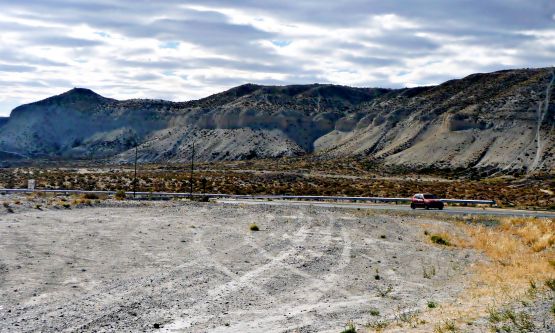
(519, 264)
(520, 250)
(538, 234)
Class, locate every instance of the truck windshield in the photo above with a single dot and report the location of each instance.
(429, 196)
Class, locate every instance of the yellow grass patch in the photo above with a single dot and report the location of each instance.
(538, 234)
(520, 258)
(520, 251)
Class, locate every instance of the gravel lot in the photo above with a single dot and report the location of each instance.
(195, 267)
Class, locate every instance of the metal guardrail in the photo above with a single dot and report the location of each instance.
(239, 196)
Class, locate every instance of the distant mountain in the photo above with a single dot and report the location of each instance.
(501, 121)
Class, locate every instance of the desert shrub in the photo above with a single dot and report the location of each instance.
(120, 195)
(508, 320)
(374, 312)
(86, 202)
(8, 208)
(90, 196)
(550, 283)
(432, 305)
(378, 325)
(408, 317)
(37, 206)
(447, 326)
(351, 328)
(428, 272)
(383, 292)
(254, 227)
(532, 284)
(440, 240)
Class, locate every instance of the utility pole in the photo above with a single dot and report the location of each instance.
(192, 168)
(135, 179)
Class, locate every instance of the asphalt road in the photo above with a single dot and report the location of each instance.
(453, 210)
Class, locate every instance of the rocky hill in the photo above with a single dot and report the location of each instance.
(501, 121)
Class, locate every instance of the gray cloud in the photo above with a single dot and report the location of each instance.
(16, 68)
(146, 77)
(61, 41)
(13, 56)
(133, 47)
(370, 61)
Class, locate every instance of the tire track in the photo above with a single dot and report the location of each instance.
(210, 259)
(224, 290)
(322, 284)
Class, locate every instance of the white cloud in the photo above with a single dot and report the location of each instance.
(129, 49)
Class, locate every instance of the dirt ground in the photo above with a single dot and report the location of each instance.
(197, 267)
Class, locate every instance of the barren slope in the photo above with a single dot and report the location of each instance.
(502, 121)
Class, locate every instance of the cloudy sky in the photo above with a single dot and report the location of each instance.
(181, 50)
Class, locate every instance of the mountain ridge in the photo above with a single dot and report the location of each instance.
(487, 121)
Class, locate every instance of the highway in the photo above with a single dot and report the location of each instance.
(452, 210)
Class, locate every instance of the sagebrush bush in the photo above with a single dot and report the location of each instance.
(120, 195)
(440, 239)
(351, 328)
(89, 196)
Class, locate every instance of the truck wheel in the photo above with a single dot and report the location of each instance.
(427, 207)
(412, 206)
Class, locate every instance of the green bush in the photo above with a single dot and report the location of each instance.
(350, 328)
(120, 195)
(441, 240)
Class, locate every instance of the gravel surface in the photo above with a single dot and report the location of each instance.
(197, 267)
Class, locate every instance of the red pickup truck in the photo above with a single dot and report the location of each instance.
(425, 200)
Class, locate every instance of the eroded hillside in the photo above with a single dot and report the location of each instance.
(497, 122)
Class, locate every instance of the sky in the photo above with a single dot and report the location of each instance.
(183, 50)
